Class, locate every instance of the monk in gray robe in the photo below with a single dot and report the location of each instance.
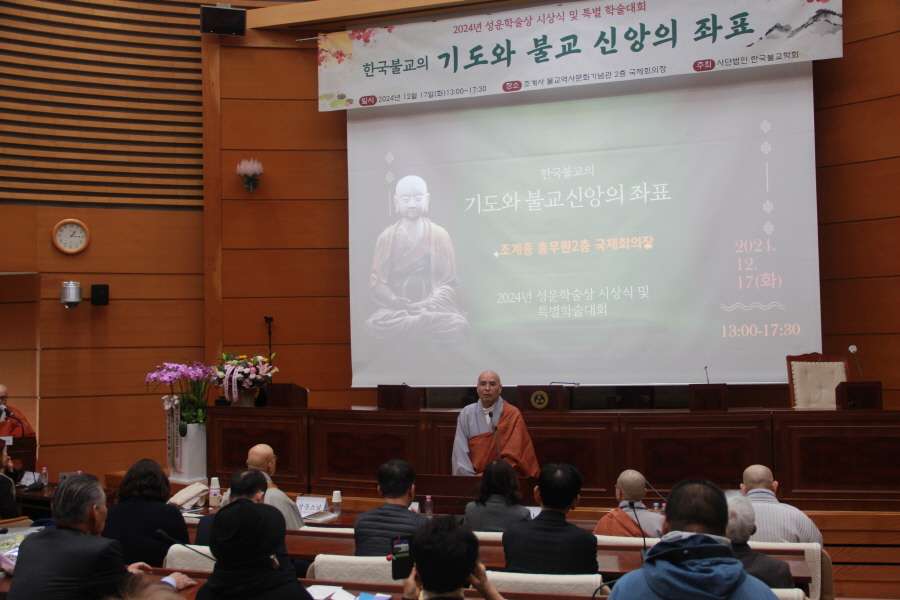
(413, 276)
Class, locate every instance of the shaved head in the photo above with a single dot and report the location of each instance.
(758, 477)
(261, 457)
(3, 390)
(632, 485)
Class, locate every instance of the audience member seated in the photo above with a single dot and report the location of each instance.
(245, 536)
(262, 457)
(72, 562)
(693, 560)
(445, 558)
(248, 484)
(499, 501)
(771, 571)
(775, 522)
(375, 530)
(631, 518)
(8, 479)
(12, 420)
(141, 511)
(549, 544)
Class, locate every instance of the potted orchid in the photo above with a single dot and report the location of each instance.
(241, 376)
(186, 416)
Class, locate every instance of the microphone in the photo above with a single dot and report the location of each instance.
(852, 350)
(643, 537)
(463, 497)
(162, 535)
(496, 439)
(649, 485)
(288, 472)
(705, 370)
(34, 487)
(12, 415)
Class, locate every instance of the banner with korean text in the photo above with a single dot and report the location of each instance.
(576, 43)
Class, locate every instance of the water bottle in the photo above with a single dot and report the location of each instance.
(45, 477)
(655, 507)
(336, 502)
(429, 507)
(663, 511)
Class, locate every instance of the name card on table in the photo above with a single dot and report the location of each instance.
(310, 506)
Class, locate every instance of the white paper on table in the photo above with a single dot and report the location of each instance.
(308, 505)
(321, 592)
(535, 510)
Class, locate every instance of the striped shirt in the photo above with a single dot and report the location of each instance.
(777, 522)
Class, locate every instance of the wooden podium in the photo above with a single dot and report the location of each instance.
(400, 397)
(286, 395)
(858, 395)
(708, 396)
(544, 398)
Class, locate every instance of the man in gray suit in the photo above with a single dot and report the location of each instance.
(73, 562)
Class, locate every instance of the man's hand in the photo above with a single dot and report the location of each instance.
(479, 581)
(182, 581)
(139, 568)
(411, 589)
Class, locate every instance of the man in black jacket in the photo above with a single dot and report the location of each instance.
(376, 530)
(549, 544)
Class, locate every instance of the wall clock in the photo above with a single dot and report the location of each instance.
(71, 236)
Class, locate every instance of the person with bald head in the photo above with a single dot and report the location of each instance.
(631, 518)
(262, 458)
(492, 429)
(413, 277)
(775, 522)
(12, 421)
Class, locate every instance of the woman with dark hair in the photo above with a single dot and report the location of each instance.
(498, 504)
(141, 511)
(8, 478)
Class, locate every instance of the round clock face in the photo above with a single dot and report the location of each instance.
(70, 236)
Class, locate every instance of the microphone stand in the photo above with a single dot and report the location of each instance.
(496, 439)
(643, 537)
(165, 536)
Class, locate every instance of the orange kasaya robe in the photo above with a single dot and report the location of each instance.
(12, 428)
(515, 445)
(618, 522)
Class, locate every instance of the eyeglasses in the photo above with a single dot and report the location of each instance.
(3, 397)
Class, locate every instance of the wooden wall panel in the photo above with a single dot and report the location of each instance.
(858, 191)
(74, 420)
(269, 73)
(17, 244)
(281, 125)
(285, 225)
(297, 321)
(125, 241)
(316, 366)
(869, 18)
(18, 322)
(105, 371)
(99, 458)
(19, 287)
(851, 306)
(19, 373)
(858, 132)
(288, 175)
(856, 77)
(126, 286)
(285, 273)
(122, 324)
(859, 249)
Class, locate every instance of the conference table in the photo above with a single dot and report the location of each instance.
(395, 591)
(613, 562)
